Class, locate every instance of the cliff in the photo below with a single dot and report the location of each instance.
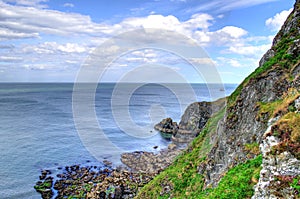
(261, 124)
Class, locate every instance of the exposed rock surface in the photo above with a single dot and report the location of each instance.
(278, 169)
(192, 121)
(167, 126)
(92, 182)
(241, 125)
(149, 162)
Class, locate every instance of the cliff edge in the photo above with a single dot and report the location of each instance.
(258, 132)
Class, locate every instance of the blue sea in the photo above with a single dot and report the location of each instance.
(38, 130)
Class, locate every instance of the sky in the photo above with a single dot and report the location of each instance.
(56, 40)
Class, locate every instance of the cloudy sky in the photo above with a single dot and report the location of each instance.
(50, 40)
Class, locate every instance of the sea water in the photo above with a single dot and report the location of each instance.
(37, 129)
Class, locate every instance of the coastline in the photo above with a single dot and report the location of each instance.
(106, 180)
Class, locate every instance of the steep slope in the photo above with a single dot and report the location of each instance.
(264, 105)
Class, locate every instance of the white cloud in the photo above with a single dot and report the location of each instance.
(7, 34)
(232, 31)
(249, 51)
(54, 47)
(10, 59)
(226, 36)
(221, 61)
(21, 22)
(29, 3)
(233, 4)
(152, 21)
(198, 21)
(70, 5)
(275, 22)
(221, 6)
(206, 61)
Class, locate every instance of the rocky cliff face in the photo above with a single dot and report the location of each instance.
(245, 122)
(192, 121)
(262, 117)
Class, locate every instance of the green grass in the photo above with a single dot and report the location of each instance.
(182, 175)
(238, 181)
(185, 181)
(281, 59)
(296, 184)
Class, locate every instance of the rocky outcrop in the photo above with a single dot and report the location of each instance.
(192, 121)
(167, 126)
(91, 182)
(277, 74)
(149, 162)
(280, 166)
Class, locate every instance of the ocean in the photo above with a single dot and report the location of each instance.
(42, 125)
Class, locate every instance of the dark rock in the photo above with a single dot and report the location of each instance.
(167, 126)
(118, 193)
(194, 119)
(107, 163)
(102, 195)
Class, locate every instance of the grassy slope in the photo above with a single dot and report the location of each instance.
(182, 176)
(282, 60)
(185, 182)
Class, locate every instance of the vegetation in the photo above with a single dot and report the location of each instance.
(296, 184)
(288, 130)
(282, 60)
(184, 181)
(43, 186)
(238, 182)
(252, 148)
(280, 106)
(182, 176)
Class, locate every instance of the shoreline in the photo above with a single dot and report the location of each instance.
(105, 180)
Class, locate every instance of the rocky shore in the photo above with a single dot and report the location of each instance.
(124, 182)
(91, 182)
(100, 182)
(149, 162)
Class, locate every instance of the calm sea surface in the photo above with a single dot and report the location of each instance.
(37, 129)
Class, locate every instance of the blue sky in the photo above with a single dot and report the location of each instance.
(50, 40)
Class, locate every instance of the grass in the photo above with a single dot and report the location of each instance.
(252, 148)
(280, 106)
(288, 130)
(238, 181)
(185, 181)
(282, 59)
(182, 176)
(43, 186)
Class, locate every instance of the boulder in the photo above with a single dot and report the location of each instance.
(166, 126)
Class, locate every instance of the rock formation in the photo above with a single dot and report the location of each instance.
(245, 122)
(192, 121)
(167, 126)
